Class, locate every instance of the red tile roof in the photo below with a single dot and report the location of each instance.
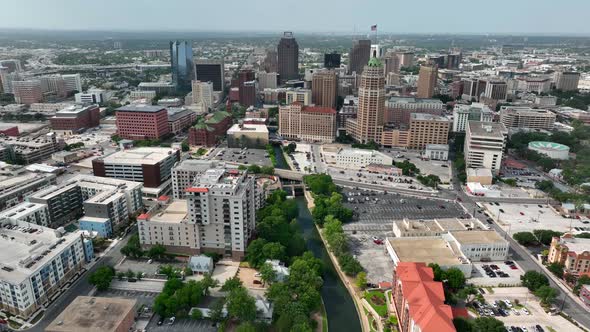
(425, 298)
(318, 109)
(163, 198)
(143, 216)
(197, 190)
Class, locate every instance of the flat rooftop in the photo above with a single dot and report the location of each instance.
(487, 129)
(477, 237)
(428, 117)
(24, 248)
(139, 156)
(577, 245)
(248, 128)
(92, 314)
(175, 212)
(21, 210)
(424, 249)
(74, 109)
(140, 108)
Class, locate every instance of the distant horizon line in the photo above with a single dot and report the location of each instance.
(304, 32)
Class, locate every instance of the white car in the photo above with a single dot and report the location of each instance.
(375, 238)
(515, 312)
(525, 311)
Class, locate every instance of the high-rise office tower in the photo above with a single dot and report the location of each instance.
(359, 55)
(427, 81)
(203, 94)
(392, 62)
(406, 59)
(567, 80)
(324, 88)
(181, 55)
(368, 124)
(288, 57)
(332, 60)
(27, 92)
(13, 65)
(270, 61)
(207, 70)
(245, 93)
(267, 80)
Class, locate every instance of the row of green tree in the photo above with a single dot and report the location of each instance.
(338, 244)
(327, 199)
(538, 283)
(255, 169)
(575, 171)
(133, 249)
(549, 187)
(536, 237)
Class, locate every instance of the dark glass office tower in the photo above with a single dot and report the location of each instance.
(181, 57)
(288, 57)
(332, 60)
(210, 71)
(359, 55)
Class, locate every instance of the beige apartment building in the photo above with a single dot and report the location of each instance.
(307, 123)
(324, 88)
(428, 129)
(427, 81)
(571, 252)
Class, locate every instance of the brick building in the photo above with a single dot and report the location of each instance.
(208, 131)
(179, 119)
(142, 122)
(74, 119)
(308, 123)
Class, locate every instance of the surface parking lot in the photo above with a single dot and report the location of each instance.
(234, 155)
(374, 216)
(480, 278)
(375, 211)
(181, 325)
(145, 298)
(528, 217)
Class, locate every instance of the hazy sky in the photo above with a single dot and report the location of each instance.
(397, 16)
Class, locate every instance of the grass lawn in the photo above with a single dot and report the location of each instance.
(377, 301)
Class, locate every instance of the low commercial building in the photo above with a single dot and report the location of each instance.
(9, 130)
(419, 301)
(75, 119)
(427, 250)
(307, 123)
(550, 149)
(65, 157)
(482, 176)
(437, 152)
(571, 252)
(354, 158)
(247, 135)
(433, 227)
(92, 96)
(150, 165)
(142, 122)
(35, 263)
(210, 130)
(102, 226)
(138, 95)
(480, 245)
(201, 264)
(105, 314)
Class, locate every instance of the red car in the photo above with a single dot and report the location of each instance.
(378, 241)
(459, 199)
(513, 267)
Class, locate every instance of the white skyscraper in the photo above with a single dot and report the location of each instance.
(73, 82)
(203, 93)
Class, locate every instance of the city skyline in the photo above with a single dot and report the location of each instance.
(504, 17)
